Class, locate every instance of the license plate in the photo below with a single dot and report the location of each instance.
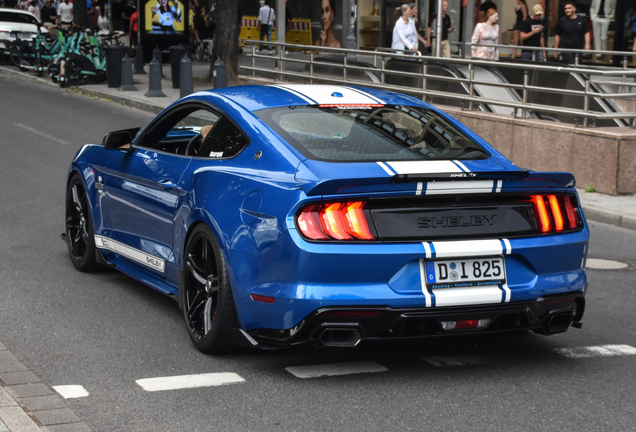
(23, 35)
(459, 273)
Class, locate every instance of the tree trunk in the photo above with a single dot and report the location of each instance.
(226, 39)
(80, 13)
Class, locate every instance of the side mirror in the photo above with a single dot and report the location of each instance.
(119, 140)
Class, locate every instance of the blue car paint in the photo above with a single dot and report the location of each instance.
(250, 204)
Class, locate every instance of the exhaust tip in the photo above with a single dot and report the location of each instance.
(340, 337)
(559, 323)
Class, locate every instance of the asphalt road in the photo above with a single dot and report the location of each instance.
(104, 331)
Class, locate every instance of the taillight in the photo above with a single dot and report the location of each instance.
(549, 212)
(334, 221)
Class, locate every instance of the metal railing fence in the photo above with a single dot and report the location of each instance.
(380, 58)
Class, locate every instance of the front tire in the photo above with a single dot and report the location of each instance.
(208, 305)
(79, 227)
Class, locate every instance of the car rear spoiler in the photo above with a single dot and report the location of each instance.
(509, 179)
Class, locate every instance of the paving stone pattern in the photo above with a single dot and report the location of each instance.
(29, 405)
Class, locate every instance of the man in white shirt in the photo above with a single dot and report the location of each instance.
(65, 14)
(266, 20)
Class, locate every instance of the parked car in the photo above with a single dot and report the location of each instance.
(17, 23)
(290, 214)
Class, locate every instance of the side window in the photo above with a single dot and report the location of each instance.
(173, 132)
(224, 141)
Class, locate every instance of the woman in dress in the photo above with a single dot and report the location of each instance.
(404, 33)
(522, 15)
(486, 32)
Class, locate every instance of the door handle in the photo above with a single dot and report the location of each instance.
(166, 184)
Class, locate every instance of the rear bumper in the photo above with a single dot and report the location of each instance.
(350, 326)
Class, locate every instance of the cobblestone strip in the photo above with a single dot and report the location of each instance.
(29, 405)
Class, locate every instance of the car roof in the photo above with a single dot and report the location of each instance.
(254, 97)
(19, 11)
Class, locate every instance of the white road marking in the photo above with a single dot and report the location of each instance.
(597, 351)
(451, 361)
(42, 134)
(189, 381)
(334, 369)
(601, 264)
(71, 391)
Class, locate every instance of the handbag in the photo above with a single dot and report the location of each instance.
(264, 26)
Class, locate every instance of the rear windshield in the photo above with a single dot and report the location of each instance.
(386, 133)
(17, 17)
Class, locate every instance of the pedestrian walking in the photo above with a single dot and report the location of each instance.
(65, 14)
(446, 29)
(266, 20)
(521, 15)
(532, 34)
(601, 13)
(486, 32)
(571, 32)
(117, 14)
(129, 9)
(404, 34)
(48, 14)
(34, 8)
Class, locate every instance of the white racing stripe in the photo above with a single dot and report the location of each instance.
(71, 391)
(425, 167)
(322, 94)
(143, 258)
(468, 248)
(427, 295)
(386, 168)
(452, 361)
(467, 296)
(189, 381)
(335, 369)
(597, 351)
(461, 187)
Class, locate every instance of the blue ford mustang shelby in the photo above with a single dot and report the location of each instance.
(289, 214)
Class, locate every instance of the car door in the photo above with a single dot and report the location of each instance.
(143, 192)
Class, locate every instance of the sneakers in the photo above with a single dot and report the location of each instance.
(271, 52)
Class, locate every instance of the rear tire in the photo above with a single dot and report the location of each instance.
(206, 295)
(80, 238)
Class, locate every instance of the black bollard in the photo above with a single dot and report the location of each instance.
(139, 61)
(185, 86)
(127, 83)
(220, 77)
(156, 54)
(154, 80)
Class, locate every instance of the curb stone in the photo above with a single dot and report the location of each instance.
(29, 405)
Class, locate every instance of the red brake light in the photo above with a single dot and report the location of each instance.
(542, 213)
(556, 212)
(334, 221)
(570, 212)
(551, 212)
(357, 222)
(309, 223)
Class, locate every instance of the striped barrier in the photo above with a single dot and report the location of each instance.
(250, 29)
(299, 32)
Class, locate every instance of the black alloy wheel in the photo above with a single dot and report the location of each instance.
(208, 305)
(79, 227)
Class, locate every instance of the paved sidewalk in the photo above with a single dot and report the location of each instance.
(615, 210)
(29, 405)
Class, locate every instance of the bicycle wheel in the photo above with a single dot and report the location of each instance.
(73, 71)
(14, 52)
(4, 53)
(26, 58)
